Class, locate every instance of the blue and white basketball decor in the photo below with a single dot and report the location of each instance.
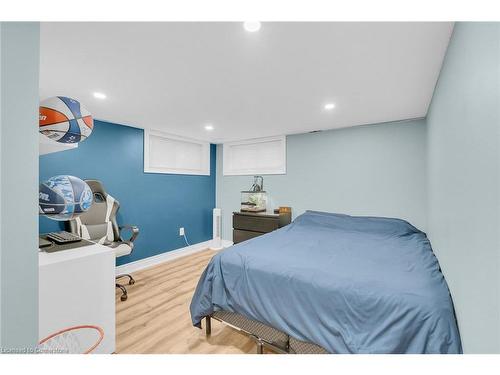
(64, 197)
(65, 120)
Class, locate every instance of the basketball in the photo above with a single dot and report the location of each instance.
(64, 197)
(65, 120)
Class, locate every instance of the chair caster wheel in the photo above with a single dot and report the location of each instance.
(124, 297)
(131, 282)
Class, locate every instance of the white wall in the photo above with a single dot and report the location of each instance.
(374, 170)
(464, 181)
(19, 61)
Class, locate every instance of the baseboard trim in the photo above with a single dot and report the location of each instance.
(162, 258)
(166, 257)
(227, 243)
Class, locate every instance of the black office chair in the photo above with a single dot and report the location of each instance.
(99, 225)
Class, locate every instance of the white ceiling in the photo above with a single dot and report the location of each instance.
(177, 77)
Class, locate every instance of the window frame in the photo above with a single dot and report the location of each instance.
(227, 171)
(204, 171)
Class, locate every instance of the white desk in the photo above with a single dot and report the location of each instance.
(78, 287)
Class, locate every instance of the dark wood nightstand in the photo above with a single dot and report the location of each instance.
(248, 225)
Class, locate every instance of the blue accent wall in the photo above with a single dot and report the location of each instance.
(157, 203)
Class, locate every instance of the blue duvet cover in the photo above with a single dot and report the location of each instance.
(348, 284)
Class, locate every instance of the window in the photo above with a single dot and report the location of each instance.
(164, 153)
(255, 156)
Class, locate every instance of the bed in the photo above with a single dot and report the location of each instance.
(342, 283)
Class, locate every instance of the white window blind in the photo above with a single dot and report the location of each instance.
(165, 153)
(255, 156)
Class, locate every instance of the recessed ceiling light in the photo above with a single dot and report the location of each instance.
(329, 106)
(99, 95)
(251, 26)
(209, 127)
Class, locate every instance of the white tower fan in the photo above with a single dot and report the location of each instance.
(217, 224)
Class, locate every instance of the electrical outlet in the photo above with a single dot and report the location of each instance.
(181, 231)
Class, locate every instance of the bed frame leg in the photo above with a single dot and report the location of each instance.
(260, 347)
(208, 326)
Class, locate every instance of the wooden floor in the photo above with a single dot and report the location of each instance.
(156, 319)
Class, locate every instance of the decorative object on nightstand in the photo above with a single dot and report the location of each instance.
(283, 210)
(255, 199)
(248, 225)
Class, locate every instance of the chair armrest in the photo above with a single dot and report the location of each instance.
(133, 228)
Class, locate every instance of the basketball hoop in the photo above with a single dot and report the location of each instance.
(73, 340)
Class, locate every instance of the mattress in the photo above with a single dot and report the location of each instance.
(348, 284)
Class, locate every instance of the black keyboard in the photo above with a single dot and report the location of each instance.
(63, 237)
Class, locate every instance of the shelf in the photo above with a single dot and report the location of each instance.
(48, 146)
